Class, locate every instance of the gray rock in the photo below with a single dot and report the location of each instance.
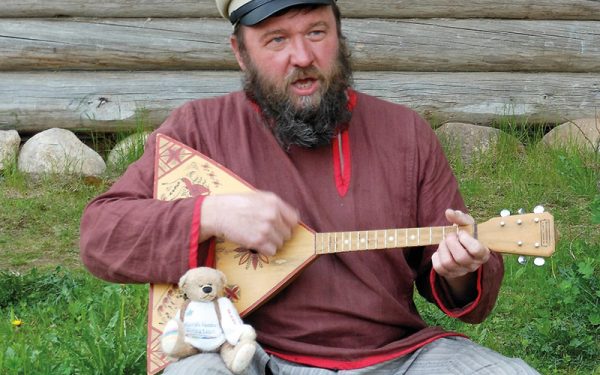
(9, 147)
(469, 139)
(125, 149)
(59, 151)
(583, 132)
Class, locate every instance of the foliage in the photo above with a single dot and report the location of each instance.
(546, 315)
(64, 322)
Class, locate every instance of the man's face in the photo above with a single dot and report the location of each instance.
(294, 53)
(297, 69)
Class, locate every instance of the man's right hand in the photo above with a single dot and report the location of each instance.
(258, 220)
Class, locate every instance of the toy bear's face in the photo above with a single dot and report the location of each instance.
(202, 284)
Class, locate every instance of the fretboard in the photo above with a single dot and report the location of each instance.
(338, 242)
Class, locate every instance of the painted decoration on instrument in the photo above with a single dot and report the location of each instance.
(250, 257)
(232, 292)
(182, 172)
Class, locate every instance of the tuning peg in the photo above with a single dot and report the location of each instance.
(522, 260)
(521, 211)
(539, 261)
(538, 209)
(505, 213)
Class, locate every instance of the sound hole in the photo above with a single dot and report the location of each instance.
(253, 251)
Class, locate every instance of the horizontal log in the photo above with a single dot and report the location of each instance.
(517, 9)
(401, 45)
(106, 101)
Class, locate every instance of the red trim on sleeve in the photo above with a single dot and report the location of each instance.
(455, 313)
(342, 176)
(211, 259)
(360, 363)
(195, 232)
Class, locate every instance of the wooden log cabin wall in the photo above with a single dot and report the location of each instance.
(97, 64)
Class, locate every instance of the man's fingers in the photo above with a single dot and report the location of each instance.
(475, 248)
(458, 217)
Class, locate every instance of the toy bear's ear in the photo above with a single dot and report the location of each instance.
(223, 278)
(182, 280)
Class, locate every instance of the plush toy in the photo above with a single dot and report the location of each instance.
(208, 322)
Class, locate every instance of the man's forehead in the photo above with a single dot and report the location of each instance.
(251, 12)
(290, 21)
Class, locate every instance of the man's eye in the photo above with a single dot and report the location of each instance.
(277, 40)
(316, 34)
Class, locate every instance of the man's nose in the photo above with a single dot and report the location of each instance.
(301, 53)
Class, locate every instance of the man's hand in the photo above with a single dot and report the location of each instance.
(458, 256)
(259, 220)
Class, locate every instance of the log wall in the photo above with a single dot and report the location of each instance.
(88, 64)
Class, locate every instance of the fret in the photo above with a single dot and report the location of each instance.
(418, 236)
(322, 243)
(406, 235)
(396, 235)
(386, 240)
(374, 240)
(430, 235)
(335, 241)
(389, 239)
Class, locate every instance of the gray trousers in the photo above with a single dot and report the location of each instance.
(451, 355)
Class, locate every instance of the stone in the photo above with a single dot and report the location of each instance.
(124, 151)
(468, 138)
(9, 147)
(59, 151)
(584, 132)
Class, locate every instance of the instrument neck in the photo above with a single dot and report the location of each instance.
(338, 242)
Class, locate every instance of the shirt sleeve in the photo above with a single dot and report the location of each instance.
(128, 236)
(438, 190)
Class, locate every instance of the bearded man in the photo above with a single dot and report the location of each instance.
(336, 159)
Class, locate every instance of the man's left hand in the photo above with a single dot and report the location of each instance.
(459, 255)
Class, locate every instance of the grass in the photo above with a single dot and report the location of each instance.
(60, 321)
(72, 323)
(548, 316)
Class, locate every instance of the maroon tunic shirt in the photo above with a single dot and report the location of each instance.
(345, 310)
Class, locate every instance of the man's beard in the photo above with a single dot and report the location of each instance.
(306, 121)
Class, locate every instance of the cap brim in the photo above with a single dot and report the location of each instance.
(269, 8)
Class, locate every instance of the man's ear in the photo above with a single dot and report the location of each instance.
(236, 50)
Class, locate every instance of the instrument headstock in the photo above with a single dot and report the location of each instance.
(525, 234)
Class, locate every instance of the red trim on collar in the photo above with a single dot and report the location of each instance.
(342, 176)
(341, 152)
(352, 99)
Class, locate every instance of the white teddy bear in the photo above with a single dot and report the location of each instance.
(208, 322)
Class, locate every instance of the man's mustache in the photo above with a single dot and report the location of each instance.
(310, 72)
